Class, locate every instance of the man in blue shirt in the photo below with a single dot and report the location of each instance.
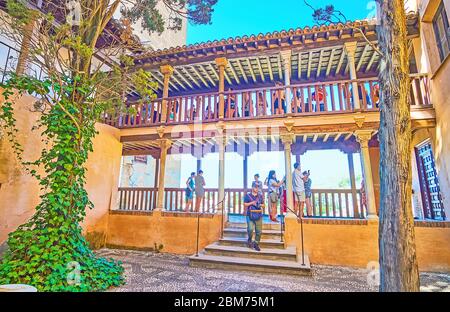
(253, 205)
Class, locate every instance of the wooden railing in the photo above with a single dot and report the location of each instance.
(330, 203)
(137, 199)
(297, 100)
(327, 203)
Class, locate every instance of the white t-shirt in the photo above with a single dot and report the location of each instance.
(297, 182)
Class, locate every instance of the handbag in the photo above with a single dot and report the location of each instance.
(255, 214)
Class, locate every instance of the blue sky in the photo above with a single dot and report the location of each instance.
(233, 18)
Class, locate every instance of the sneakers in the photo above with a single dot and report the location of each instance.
(256, 247)
(250, 244)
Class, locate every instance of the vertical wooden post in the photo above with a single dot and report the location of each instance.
(287, 140)
(164, 145)
(157, 172)
(286, 56)
(350, 50)
(222, 63)
(167, 71)
(351, 168)
(245, 167)
(221, 142)
(25, 46)
(199, 165)
(298, 160)
(363, 138)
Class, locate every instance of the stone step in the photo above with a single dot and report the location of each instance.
(288, 254)
(242, 242)
(243, 225)
(248, 264)
(242, 232)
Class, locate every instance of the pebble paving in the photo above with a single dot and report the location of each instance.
(157, 272)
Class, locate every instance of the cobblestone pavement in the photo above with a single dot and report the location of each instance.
(151, 272)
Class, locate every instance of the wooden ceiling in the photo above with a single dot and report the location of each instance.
(312, 65)
(200, 146)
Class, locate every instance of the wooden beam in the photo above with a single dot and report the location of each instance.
(160, 83)
(326, 137)
(361, 59)
(214, 71)
(308, 75)
(330, 62)
(319, 66)
(372, 60)
(305, 138)
(179, 82)
(252, 73)
(190, 76)
(341, 61)
(299, 73)
(233, 71)
(338, 136)
(269, 66)
(348, 136)
(208, 75)
(261, 72)
(316, 136)
(200, 76)
(170, 82)
(184, 78)
(280, 70)
(241, 68)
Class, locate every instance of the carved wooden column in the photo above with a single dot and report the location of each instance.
(167, 71)
(363, 137)
(287, 140)
(222, 63)
(164, 145)
(350, 50)
(286, 57)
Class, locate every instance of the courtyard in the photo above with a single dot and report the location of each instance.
(157, 272)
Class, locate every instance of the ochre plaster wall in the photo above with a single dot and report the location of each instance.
(19, 192)
(347, 244)
(177, 233)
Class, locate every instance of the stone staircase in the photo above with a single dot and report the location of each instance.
(231, 253)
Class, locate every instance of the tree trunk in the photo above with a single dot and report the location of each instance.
(398, 261)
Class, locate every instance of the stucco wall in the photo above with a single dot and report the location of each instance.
(428, 60)
(357, 244)
(19, 192)
(177, 233)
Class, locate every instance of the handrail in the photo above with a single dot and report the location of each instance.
(198, 223)
(301, 232)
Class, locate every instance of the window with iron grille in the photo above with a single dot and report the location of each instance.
(442, 32)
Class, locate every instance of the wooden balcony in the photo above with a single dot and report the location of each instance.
(327, 203)
(300, 100)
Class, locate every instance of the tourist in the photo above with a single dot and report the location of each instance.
(308, 193)
(199, 190)
(319, 99)
(261, 105)
(253, 205)
(231, 110)
(257, 183)
(248, 104)
(298, 186)
(190, 187)
(274, 194)
(279, 96)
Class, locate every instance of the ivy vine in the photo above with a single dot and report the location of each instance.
(49, 251)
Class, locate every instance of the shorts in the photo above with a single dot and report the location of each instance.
(300, 197)
(273, 197)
